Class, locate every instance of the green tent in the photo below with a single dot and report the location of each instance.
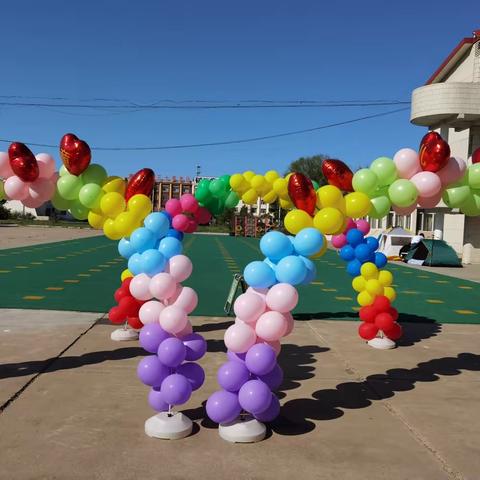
(434, 253)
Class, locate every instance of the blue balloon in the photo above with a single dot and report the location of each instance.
(135, 264)
(175, 233)
(362, 252)
(170, 218)
(170, 246)
(380, 260)
(308, 242)
(272, 265)
(158, 223)
(347, 253)
(142, 239)
(276, 245)
(353, 268)
(311, 271)
(372, 242)
(258, 274)
(125, 249)
(291, 269)
(354, 237)
(153, 262)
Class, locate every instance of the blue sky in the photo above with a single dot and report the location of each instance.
(145, 51)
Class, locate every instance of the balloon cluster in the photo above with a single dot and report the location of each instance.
(186, 213)
(465, 194)
(128, 306)
(28, 178)
(380, 316)
(216, 194)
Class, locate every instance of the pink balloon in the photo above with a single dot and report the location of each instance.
(150, 312)
(180, 267)
(430, 202)
(258, 291)
(192, 226)
(180, 222)
(363, 226)
(350, 224)
(33, 202)
(248, 307)
(453, 171)
(189, 203)
(407, 162)
(46, 165)
(428, 183)
(339, 241)
(290, 323)
(15, 188)
(186, 331)
(162, 286)
(282, 297)
(42, 188)
(173, 319)
(404, 210)
(139, 287)
(271, 326)
(239, 337)
(173, 298)
(202, 216)
(187, 299)
(173, 207)
(5, 169)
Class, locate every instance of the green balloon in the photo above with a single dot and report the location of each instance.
(202, 193)
(78, 210)
(2, 191)
(218, 187)
(90, 195)
(402, 193)
(379, 192)
(69, 186)
(365, 180)
(225, 179)
(315, 184)
(60, 203)
(380, 207)
(232, 200)
(385, 170)
(63, 171)
(471, 207)
(456, 195)
(473, 175)
(94, 174)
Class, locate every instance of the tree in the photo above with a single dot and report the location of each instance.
(310, 166)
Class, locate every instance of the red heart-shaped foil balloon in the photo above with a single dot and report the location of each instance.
(302, 193)
(23, 162)
(338, 174)
(140, 183)
(434, 155)
(476, 156)
(75, 153)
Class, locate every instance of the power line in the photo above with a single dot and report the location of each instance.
(230, 142)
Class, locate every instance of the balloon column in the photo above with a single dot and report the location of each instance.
(263, 316)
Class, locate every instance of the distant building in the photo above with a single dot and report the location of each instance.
(166, 188)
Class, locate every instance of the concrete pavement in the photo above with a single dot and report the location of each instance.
(348, 411)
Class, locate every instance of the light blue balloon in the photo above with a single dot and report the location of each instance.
(125, 249)
(175, 233)
(158, 223)
(142, 239)
(258, 274)
(311, 271)
(170, 246)
(153, 262)
(272, 265)
(135, 264)
(308, 242)
(291, 270)
(276, 245)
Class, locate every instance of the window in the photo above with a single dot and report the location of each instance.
(426, 221)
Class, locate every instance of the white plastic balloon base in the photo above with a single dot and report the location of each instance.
(171, 426)
(124, 335)
(382, 343)
(243, 430)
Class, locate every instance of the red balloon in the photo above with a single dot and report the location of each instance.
(429, 138)
(338, 174)
(434, 152)
(129, 306)
(202, 216)
(395, 332)
(368, 313)
(302, 193)
(476, 156)
(384, 321)
(75, 153)
(116, 315)
(381, 304)
(23, 162)
(140, 183)
(394, 313)
(135, 323)
(367, 330)
(121, 293)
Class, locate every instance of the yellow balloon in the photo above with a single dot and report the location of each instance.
(328, 220)
(270, 197)
(286, 204)
(114, 184)
(297, 220)
(287, 177)
(238, 183)
(364, 298)
(140, 205)
(385, 277)
(369, 271)
(280, 187)
(329, 196)
(112, 204)
(258, 182)
(271, 176)
(357, 204)
(250, 197)
(125, 223)
(374, 287)
(248, 175)
(96, 220)
(110, 231)
(322, 250)
(390, 293)
(359, 283)
(126, 274)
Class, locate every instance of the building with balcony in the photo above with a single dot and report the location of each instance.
(170, 187)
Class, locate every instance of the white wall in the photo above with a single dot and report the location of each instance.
(464, 70)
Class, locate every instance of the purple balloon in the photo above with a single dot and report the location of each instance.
(194, 374)
(271, 413)
(260, 359)
(196, 346)
(156, 401)
(176, 389)
(236, 357)
(151, 336)
(151, 371)
(232, 375)
(172, 352)
(255, 397)
(223, 407)
(274, 378)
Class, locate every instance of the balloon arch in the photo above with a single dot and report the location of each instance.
(152, 299)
